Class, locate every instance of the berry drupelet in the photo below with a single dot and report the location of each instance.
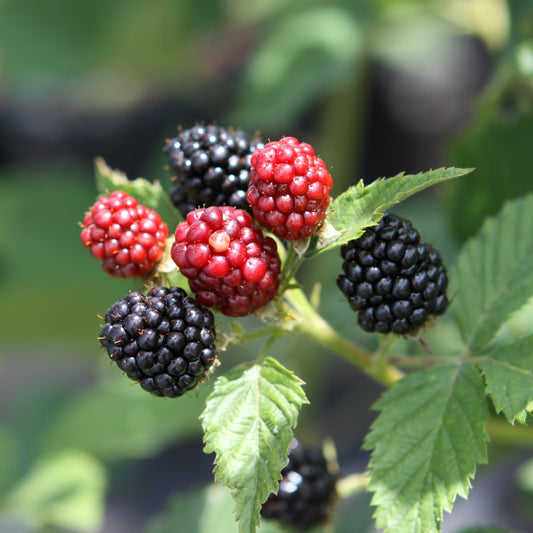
(391, 279)
(163, 340)
(306, 493)
(289, 188)
(127, 237)
(211, 166)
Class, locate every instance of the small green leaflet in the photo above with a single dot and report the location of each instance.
(360, 207)
(248, 422)
(508, 373)
(426, 443)
(148, 194)
(494, 273)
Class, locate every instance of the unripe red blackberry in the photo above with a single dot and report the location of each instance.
(230, 264)
(306, 493)
(211, 166)
(163, 340)
(127, 237)
(289, 188)
(391, 279)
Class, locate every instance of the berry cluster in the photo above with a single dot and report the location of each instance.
(392, 279)
(211, 166)
(127, 237)
(230, 264)
(163, 340)
(289, 188)
(306, 492)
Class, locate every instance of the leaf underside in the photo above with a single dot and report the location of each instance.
(248, 422)
(494, 273)
(426, 443)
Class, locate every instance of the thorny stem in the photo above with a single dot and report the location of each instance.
(309, 323)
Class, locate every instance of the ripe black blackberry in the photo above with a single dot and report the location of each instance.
(211, 166)
(391, 279)
(163, 340)
(307, 491)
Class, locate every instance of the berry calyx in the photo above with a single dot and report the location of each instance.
(164, 340)
(391, 279)
(307, 491)
(289, 188)
(230, 264)
(211, 166)
(127, 237)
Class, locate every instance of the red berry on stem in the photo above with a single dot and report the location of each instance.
(230, 264)
(127, 237)
(289, 188)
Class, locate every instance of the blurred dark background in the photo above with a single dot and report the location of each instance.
(377, 87)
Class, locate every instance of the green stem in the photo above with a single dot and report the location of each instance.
(352, 484)
(290, 267)
(310, 324)
(502, 432)
(247, 336)
(415, 361)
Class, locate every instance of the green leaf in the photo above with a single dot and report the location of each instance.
(508, 374)
(248, 422)
(148, 194)
(360, 207)
(65, 490)
(97, 420)
(494, 273)
(426, 442)
(497, 145)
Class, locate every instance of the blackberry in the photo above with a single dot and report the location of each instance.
(164, 340)
(391, 279)
(211, 166)
(306, 492)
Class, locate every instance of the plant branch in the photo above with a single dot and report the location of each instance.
(310, 324)
(352, 484)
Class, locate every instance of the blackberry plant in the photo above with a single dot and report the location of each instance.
(221, 264)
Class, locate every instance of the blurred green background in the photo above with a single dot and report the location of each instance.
(378, 87)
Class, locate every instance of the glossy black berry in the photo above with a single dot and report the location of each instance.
(391, 279)
(211, 166)
(307, 491)
(167, 356)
